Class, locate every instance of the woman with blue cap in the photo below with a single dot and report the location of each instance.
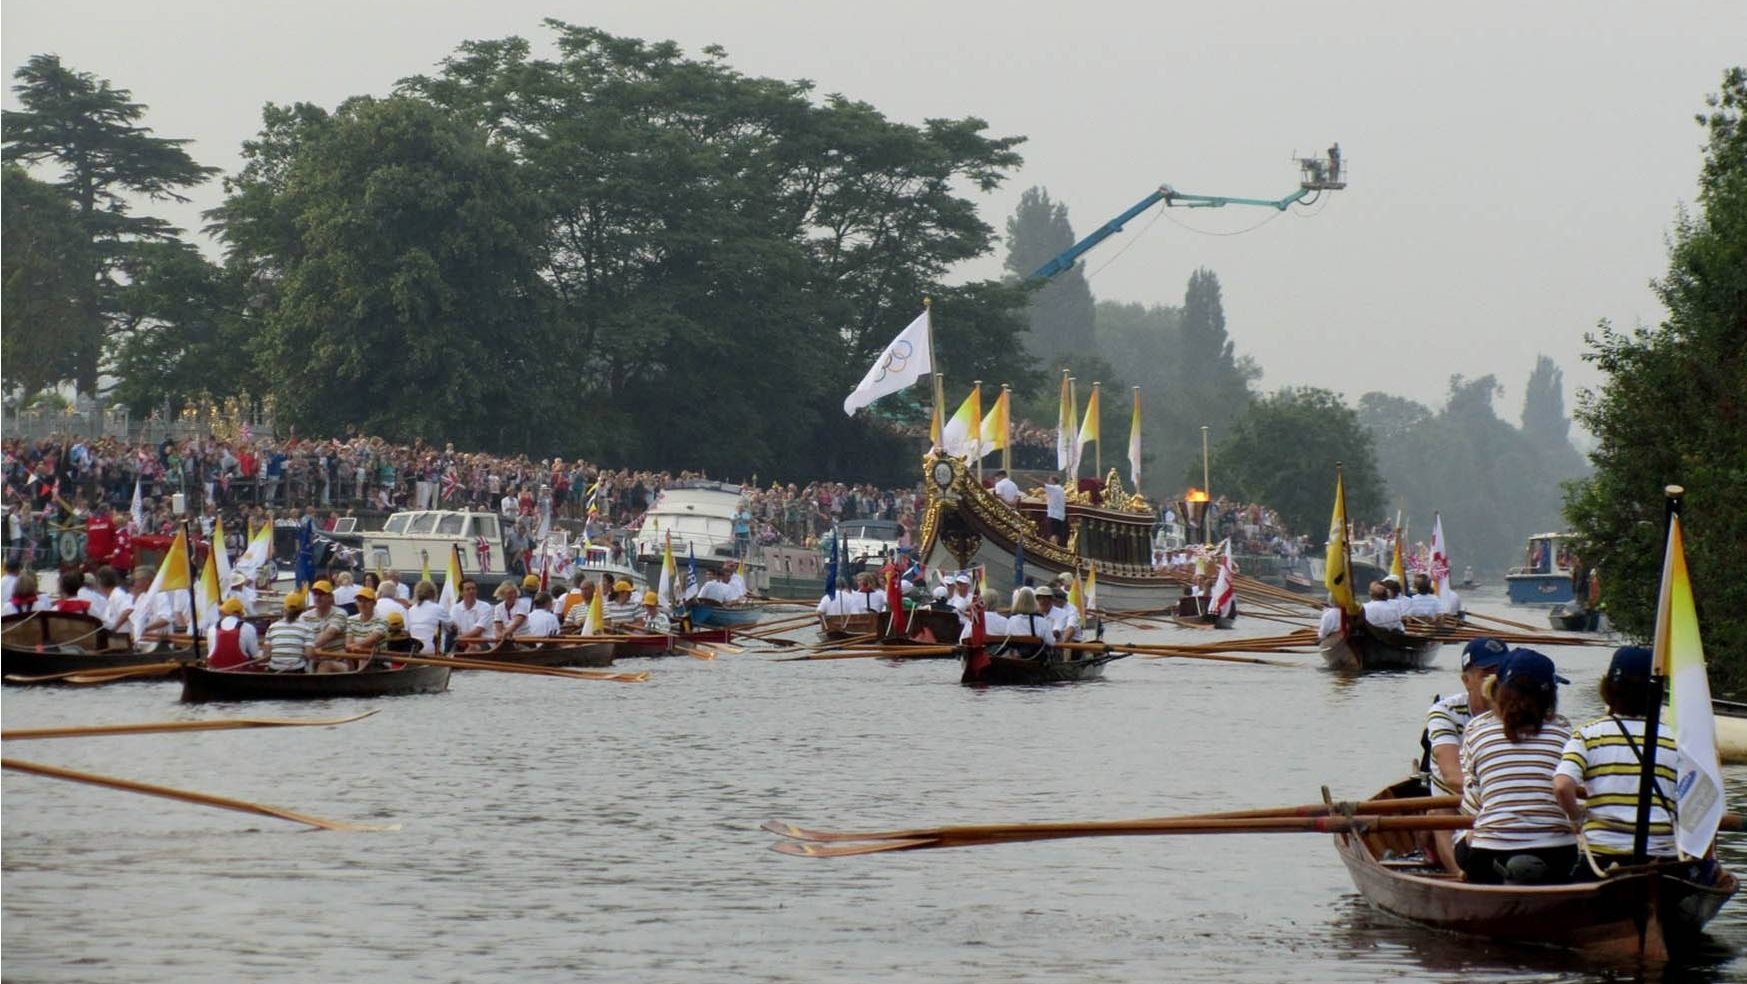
(1603, 762)
(1520, 836)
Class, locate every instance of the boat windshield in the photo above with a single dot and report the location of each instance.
(396, 523)
(422, 523)
(485, 526)
(874, 530)
(450, 525)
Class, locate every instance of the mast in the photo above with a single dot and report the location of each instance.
(939, 394)
(1658, 687)
(977, 387)
(1097, 433)
(1006, 427)
(1207, 490)
(1074, 450)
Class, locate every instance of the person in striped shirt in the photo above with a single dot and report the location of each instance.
(1603, 762)
(290, 639)
(1446, 718)
(1509, 754)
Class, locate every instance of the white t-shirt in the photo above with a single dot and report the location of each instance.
(345, 594)
(1452, 602)
(1007, 491)
(839, 605)
(424, 622)
(715, 591)
(1331, 622)
(994, 626)
(1031, 625)
(467, 619)
(736, 588)
(867, 601)
(6, 583)
(1063, 617)
(1055, 501)
(501, 617)
(118, 604)
(1425, 606)
(542, 624)
(1383, 614)
(959, 602)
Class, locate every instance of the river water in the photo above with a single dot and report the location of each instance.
(560, 830)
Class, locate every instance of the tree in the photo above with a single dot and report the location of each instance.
(45, 286)
(1673, 409)
(406, 298)
(1061, 308)
(89, 130)
(185, 330)
(1282, 451)
(1544, 420)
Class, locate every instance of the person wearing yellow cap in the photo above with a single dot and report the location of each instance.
(365, 629)
(653, 619)
(326, 621)
(230, 643)
(290, 639)
(622, 608)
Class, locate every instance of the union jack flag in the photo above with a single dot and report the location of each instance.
(482, 548)
(451, 484)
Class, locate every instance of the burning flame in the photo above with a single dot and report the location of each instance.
(1194, 495)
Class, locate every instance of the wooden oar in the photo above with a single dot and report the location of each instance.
(1159, 653)
(1138, 828)
(188, 796)
(1504, 621)
(1405, 804)
(480, 664)
(124, 670)
(156, 727)
(1215, 657)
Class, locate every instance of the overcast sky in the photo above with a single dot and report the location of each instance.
(1515, 166)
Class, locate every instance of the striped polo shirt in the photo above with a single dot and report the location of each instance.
(288, 641)
(1600, 758)
(359, 628)
(1510, 785)
(1444, 723)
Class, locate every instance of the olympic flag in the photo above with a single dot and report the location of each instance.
(903, 363)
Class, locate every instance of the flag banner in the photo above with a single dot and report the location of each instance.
(691, 571)
(256, 553)
(139, 509)
(222, 559)
(665, 585)
(595, 622)
(172, 576)
(961, 438)
(1440, 567)
(1066, 444)
(1134, 441)
(1224, 588)
(994, 429)
(451, 592)
(903, 363)
(1680, 657)
(1089, 428)
(1091, 589)
(832, 568)
(209, 591)
(1335, 575)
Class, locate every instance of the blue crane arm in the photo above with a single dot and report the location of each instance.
(1172, 199)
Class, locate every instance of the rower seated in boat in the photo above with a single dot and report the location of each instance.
(542, 624)
(364, 632)
(1424, 604)
(865, 597)
(1330, 624)
(1380, 612)
(994, 623)
(470, 618)
(328, 622)
(1521, 835)
(1064, 620)
(1603, 763)
(508, 617)
(653, 618)
(426, 620)
(836, 602)
(731, 575)
(72, 587)
(25, 597)
(960, 599)
(1027, 620)
(231, 642)
(1447, 719)
(581, 593)
(620, 607)
(290, 639)
(940, 599)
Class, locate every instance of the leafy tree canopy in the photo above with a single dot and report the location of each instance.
(1282, 451)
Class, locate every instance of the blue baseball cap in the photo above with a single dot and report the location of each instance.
(1630, 663)
(1484, 652)
(1529, 670)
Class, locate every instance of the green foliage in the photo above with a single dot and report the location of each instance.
(1282, 451)
(89, 131)
(1673, 410)
(1544, 420)
(184, 330)
(402, 247)
(42, 307)
(1061, 315)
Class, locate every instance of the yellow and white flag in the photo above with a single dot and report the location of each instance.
(995, 425)
(1335, 575)
(256, 553)
(1090, 590)
(209, 592)
(223, 559)
(1067, 446)
(1134, 441)
(1089, 427)
(961, 435)
(172, 577)
(451, 592)
(669, 573)
(595, 622)
(1680, 658)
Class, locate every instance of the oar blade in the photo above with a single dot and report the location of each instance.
(809, 849)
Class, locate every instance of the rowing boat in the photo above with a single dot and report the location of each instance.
(201, 684)
(640, 644)
(49, 643)
(549, 654)
(704, 613)
(857, 624)
(1366, 647)
(1027, 660)
(1648, 912)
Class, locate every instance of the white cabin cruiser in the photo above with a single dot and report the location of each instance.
(420, 539)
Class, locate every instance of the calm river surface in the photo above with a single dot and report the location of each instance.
(558, 830)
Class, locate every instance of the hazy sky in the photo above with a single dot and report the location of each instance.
(1515, 166)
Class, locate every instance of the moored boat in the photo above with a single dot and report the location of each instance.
(1193, 613)
(1367, 647)
(1571, 618)
(36, 644)
(1650, 912)
(202, 684)
(1028, 660)
(1545, 577)
(1730, 718)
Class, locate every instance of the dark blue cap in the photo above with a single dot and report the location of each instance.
(1531, 671)
(1630, 663)
(1484, 652)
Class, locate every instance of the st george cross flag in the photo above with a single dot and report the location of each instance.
(903, 363)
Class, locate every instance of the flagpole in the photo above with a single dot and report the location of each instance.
(1134, 466)
(1097, 433)
(1346, 541)
(193, 602)
(1207, 490)
(1006, 427)
(1658, 685)
(1073, 413)
(939, 394)
(977, 387)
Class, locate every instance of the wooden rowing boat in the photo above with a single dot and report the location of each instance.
(708, 613)
(47, 643)
(549, 654)
(1029, 661)
(1569, 618)
(932, 625)
(201, 684)
(643, 644)
(856, 624)
(1649, 912)
(1366, 647)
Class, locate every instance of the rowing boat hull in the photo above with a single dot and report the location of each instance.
(1601, 919)
(47, 643)
(725, 616)
(1021, 665)
(833, 628)
(558, 654)
(650, 644)
(1366, 648)
(202, 684)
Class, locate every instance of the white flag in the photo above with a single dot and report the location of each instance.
(1440, 568)
(139, 509)
(905, 361)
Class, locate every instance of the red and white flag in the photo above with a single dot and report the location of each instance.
(1224, 591)
(1440, 572)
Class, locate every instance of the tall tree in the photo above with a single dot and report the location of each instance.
(406, 297)
(1544, 420)
(1061, 317)
(1673, 409)
(186, 329)
(89, 130)
(1282, 451)
(45, 285)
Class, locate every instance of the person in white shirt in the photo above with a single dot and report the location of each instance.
(1451, 601)
(1055, 509)
(345, 592)
(1424, 604)
(10, 578)
(231, 621)
(470, 616)
(716, 589)
(736, 583)
(1062, 617)
(960, 600)
(840, 605)
(1006, 489)
(654, 619)
(865, 597)
(243, 591)
(507, 618)
(1401, 601)
(1380, 611)
(509, 506)
(96, 599)
(116, 600)
(426, 620)
(542, 624)
(1331, 622)
(1026, 620)
(391, 589)
(994, 623)
(25, 597)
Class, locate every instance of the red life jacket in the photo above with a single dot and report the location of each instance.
(76, 605)
(227, 648)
